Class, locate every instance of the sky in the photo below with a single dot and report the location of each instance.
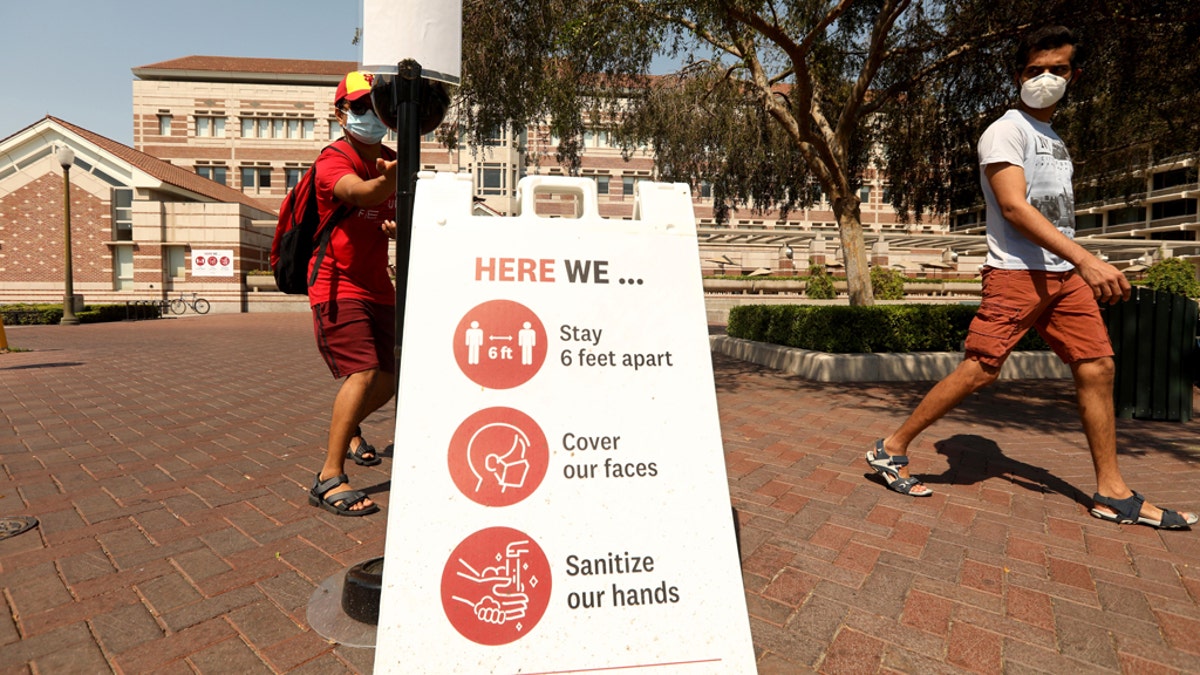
(73, 59)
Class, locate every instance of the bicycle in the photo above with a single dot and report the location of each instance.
(199, 305)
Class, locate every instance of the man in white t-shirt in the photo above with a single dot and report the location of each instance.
(1036, 276)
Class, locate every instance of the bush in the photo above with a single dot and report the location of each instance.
(861, 330)
(25, 314)
(820, 284)
(1173, 275)
(887, 284)
(48, 314)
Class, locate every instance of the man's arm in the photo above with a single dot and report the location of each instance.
(367, 193)
(1008, 184)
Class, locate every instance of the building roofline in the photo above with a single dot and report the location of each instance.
(243, 69)
(177, 178)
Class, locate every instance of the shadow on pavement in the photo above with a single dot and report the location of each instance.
(974, 459)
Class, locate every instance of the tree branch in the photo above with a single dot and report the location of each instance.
(852, 111)
(882, 97)
(641, 7)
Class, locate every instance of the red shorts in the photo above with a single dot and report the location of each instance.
(356, 335)
(1059, 304)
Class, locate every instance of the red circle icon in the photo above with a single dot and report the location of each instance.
(212, 260)
(496, 586)
(200, 260)
(498, 456)
(224, 260)
(500, 344)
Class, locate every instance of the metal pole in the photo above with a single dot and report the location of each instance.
(68, 315)
(407, 91)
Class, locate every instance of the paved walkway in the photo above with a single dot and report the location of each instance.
(168, 463)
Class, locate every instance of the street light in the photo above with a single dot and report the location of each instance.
(66, 157)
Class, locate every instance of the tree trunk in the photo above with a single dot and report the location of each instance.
(858, 272)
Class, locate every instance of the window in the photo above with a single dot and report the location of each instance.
(293, 127)
(1132, 214)
(596, 138)
(864, 195)
(210, 126)
(1089, 221)
(335, 130)
(705, 190)
(490, 180)
(257, 177)
(122, 215)
(164, 125)
(495, 137)
(213, 173)
(123, 268)
(627, 183)
(292, 176)
(1173, 209)
(176, 262)
(1168, 179)
(602, 184)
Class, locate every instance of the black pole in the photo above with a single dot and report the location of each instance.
(407, 93)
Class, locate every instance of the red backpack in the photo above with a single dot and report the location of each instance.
(300, 234)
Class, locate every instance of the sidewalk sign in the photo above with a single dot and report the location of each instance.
(559, 494)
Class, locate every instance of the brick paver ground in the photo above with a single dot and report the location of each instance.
(168, 462)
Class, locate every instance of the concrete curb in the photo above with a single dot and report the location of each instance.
(910, 367)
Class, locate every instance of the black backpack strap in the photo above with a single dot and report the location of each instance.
(325, 229)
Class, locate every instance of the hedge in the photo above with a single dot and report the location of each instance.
(861, 330)
(42, 314)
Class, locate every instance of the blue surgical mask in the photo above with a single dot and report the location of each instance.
(365, 128)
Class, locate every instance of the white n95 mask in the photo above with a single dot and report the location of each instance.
(1043, 91)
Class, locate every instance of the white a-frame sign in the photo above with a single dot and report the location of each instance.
(559, 496)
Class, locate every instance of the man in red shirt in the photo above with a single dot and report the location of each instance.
(353, 300)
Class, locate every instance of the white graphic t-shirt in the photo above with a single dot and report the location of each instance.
(1018, 139)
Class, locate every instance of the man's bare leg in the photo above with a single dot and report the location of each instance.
(1093, 389)
(970, 376)
(361, 394)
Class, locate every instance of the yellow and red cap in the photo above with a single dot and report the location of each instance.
(354, 86)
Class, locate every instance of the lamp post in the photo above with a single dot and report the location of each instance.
(66, 157)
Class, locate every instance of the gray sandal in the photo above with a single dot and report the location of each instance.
(888, 467)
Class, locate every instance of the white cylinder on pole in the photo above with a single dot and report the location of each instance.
(426, 31)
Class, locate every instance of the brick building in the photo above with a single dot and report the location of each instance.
(136, 222)
(256, 124)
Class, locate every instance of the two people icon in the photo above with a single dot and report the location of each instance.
(526, 341)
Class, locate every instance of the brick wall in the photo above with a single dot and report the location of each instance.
(31, 234)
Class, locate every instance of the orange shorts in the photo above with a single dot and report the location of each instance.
(1059, 304)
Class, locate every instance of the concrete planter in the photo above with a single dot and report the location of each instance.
(911, 367)
(260, 282)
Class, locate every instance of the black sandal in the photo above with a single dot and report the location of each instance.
(359, 454)
(1129, 512)
(340, 503)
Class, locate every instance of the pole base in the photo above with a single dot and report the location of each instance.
(326, 616)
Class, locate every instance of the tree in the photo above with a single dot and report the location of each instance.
(781, 101)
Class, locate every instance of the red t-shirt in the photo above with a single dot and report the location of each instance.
(355, 264)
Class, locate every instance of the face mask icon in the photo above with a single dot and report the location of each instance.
(496, 454)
